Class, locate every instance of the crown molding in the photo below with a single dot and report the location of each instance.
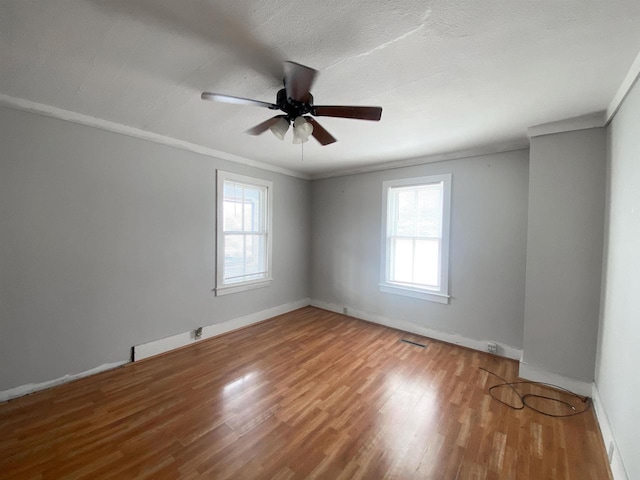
(442, 157)
(74, 117)
(627, 84)
(583, 122)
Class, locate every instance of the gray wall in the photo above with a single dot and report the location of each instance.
(107, 241)
(617, 375)
(564, 251)
(487, 256)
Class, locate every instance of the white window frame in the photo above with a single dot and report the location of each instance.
(440, 295)
(221, 287)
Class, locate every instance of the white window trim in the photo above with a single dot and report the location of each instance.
(222, 289)
(439, 296)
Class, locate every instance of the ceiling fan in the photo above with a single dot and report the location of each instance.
(296, 102)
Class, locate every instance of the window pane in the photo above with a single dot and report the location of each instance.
(401, 260)
(250, 223)
(233, 257)
(426, 262)
(253, 205)
(406, 204)
(232, 215)
(243, 207)
(254, 198)
(416, 211)
(255, 253)
(429, 211)
(245, 257)
(230, 189)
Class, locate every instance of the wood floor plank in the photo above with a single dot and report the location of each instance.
(308, 394)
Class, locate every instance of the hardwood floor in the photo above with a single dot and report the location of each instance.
(309, 394)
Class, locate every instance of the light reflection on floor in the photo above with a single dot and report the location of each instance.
(238, 385)
(409, 416)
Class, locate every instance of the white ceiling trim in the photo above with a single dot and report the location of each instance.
(627, 84)
(583, 122)
(442, 157)
(74, 117)
(69, 116)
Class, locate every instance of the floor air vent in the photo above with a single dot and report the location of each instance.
(412, 343)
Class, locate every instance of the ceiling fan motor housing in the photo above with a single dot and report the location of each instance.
(293, 108)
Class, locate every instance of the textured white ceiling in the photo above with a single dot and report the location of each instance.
(450, 74)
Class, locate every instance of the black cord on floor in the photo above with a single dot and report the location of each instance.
(523, 398)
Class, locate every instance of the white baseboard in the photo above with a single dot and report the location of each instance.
(616, 464)
(162, 345)
(34, 387)
(537, 374)
(449, 337)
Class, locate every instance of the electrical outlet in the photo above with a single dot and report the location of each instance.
(198, 332)
(492, 347)
(345, 310)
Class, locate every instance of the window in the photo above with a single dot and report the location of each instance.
(243, 233)
(415, 260)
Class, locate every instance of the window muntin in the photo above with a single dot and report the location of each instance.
(415, 236)
(244, 240)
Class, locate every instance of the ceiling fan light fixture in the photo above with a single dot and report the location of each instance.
(279, 129)
(301, 130)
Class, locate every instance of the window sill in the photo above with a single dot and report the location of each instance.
(414, 293)
(241, 287)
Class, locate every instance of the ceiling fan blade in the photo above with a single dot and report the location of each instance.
(319, 133)
(359, 113)
(264, 126)
(218, 97)
(298, 80)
